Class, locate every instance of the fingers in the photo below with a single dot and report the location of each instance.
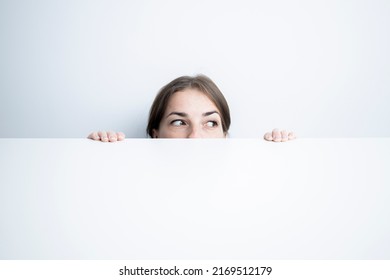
(94, 136)
(121, 136)
(279, 136)
(268, 136)
(103, 136)
(112, 137)
(284, 136)
(276, 135)
(291, 136)
(115, 136)
(109, 136)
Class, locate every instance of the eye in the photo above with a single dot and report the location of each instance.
(211, 124)
(177, 123)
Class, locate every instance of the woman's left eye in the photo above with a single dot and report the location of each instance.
(211, 124)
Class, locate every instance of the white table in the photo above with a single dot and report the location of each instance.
(195, 199)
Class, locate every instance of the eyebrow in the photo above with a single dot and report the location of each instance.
(182, 114)
(209, 113)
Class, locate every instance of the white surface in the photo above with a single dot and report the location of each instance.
(195, 199)
(319, 68)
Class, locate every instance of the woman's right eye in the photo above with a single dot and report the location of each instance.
(177, 123)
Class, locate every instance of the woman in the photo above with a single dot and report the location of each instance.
(189, 107)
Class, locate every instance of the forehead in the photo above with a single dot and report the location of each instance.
(190, 100)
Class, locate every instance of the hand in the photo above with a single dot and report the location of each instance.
(279, 136)
(109, 136)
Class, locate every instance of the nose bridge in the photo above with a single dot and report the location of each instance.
(195, 132)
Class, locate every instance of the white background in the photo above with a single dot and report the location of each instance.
(320, 68)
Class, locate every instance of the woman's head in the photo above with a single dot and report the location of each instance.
(189, 107)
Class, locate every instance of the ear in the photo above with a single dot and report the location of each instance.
(154, 133)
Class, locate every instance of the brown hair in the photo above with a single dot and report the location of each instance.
(199, 82)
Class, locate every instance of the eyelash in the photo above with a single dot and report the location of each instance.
(215, 123)
(183, 122)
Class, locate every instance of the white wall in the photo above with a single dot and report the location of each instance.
(320, 68)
